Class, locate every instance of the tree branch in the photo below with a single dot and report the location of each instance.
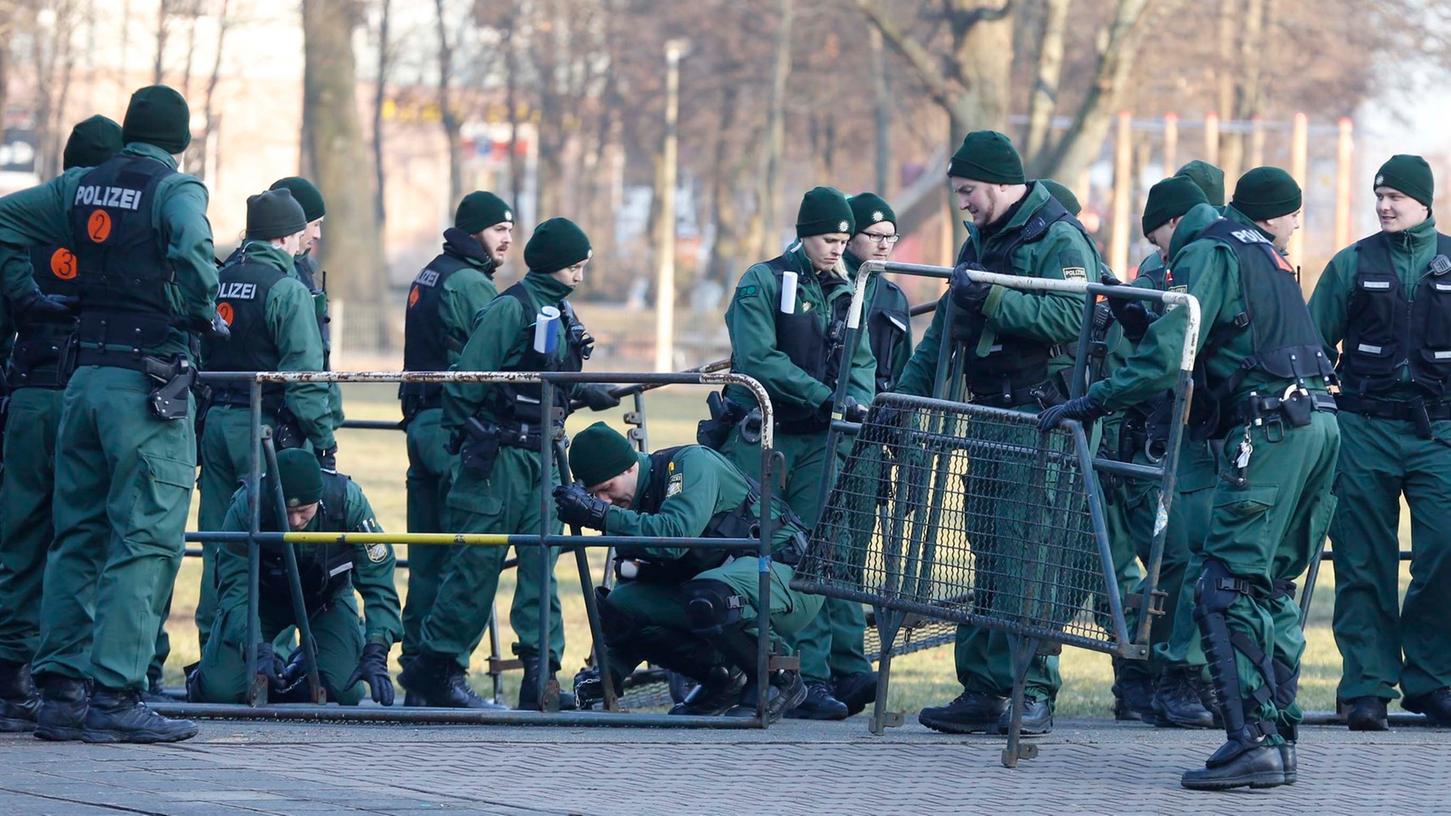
(928, 71)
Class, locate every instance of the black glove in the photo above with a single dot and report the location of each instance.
(1133, 315)
(853, 411)
(373, 670)
(269, 665)
(218, 330)
(1083, 409)
(576, 506)
(327, 458)
(598, 397)
(36, 306)
(969, 295)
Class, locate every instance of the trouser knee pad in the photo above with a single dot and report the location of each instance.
(712, 607)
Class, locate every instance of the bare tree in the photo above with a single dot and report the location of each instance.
(380, 96)
(766, 196)
(448, 115)
(163, 30)
(1044, 97)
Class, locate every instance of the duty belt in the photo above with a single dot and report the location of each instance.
(242, 398)
(1288, 409)
(1043, 395)
(522, 435)
(1406, 410)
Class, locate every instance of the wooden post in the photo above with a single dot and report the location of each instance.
(1171, 143)
(1299, 150)
(1256, 142)
(1123, 184)
(665, 244)
(1344, 161)
(1211, 139)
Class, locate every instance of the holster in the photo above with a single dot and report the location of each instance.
(287, 432)
(724, 416)
(168, 399)
(477, 446)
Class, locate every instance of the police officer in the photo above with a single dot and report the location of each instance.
(793, 343)
(35, 376)
(495, 430)
(1386, 300)
(319, 502)
(273, 328)
(831, 646)
(690, 610)
(305, 266)
(1263, 372)
(125, 459)
(1011, 338)
(442, 304)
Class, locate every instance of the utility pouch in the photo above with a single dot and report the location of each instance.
(478, 448)
(1420, 417)
(168, 400)
(287, 433)
(1297, 409)
(724, 415)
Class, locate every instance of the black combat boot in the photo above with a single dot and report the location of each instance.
(973, 712)
(719, 690)
(784, 691)
(155, 686)
(19, 698)
(529, 686)
(819, 704)
(119, 715)
(857, 690)
(437, 681)
(1037, 717)
(1133, 690)
(1177, 703)
(1289, 733)
(63, 705)
(1239, 764)
(1367, 714)
(1436, 705)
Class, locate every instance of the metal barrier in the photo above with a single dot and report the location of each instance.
(962, 512)
(262, 450)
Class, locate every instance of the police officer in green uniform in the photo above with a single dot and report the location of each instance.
(693, 611)
(36, 382)
(495, 430)
(793, 343)
(1012, 340)
(442, 303)
(125, 459)
(306, 268)
(831, 646)
(317, 502)
(273, 328)
(1262, 373)
(1386, 300)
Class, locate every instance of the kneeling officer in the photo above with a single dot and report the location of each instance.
(346, 652)
(690, 610)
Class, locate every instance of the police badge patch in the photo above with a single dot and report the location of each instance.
(1074, 273)
(377, 553)
(675, 485)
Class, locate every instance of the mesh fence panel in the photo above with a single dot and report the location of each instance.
(963, 513)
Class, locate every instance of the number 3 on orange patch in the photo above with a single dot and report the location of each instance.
(63, 264)
(98, 226)
(224, 309)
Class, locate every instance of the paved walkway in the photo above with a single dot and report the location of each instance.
(1085, 767)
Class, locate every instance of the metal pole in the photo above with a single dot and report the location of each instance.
(1171, 143)
(1299, 155)
(770, 459)
(1123, 187)
(546, 518)
(843, 379)
(1211, 137)
(294, 577)
(1344, 166)
(665, 252)
(256, 691)
(591, 609)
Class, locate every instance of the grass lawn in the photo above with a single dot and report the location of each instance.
(377, 460)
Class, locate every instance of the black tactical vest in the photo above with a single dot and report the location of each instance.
(812, 348)
(522, 400)
(889, 323)
(1015, 363)
(425, 346)
(1385, 331)
(1286, 343)
(118, 248)
(325, 569)
(306, 269)
(242, 290)
(35, 361)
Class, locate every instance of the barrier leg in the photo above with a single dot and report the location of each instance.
(1024, 650)
(888, 624)
(315, 691)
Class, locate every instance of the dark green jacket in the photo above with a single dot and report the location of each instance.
(881, 295)
(372, 573)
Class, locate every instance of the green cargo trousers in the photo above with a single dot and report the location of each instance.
(1379, 460)
(1265, 530)
(336, 627)
(1126, 513)
(506, 502)
(123, 487)
(1195, 481)
(662, 606)
(833, 643)
(25, 516)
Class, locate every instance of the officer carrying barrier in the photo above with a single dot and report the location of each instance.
(267, 498)
(967, 513)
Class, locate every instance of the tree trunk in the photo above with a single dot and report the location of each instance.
(208, 107)
(881, 117)
(766, 196)
(511, 101)
(163, 10)
(335, 145)
(4, 74)
(380, 97)
(983, 56)
(447, 116)
(1044, 99)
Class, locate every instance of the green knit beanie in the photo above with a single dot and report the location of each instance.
(556, 244)
(1063, 196)
(1409, 174)
(306, 194)
(599, 453)
(989, 156)
(1266, 192)
(868, 209)
(1169, 199)
(824, 210)
(1209, 178)
(91, 142)
(301, 476)
(158, 115)
(274, 214)
(480, 210)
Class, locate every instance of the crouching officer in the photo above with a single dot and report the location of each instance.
(273, 328)
(36, 378)
(317, 502)
(495, 430)
(1264, 373)
(691, 610)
